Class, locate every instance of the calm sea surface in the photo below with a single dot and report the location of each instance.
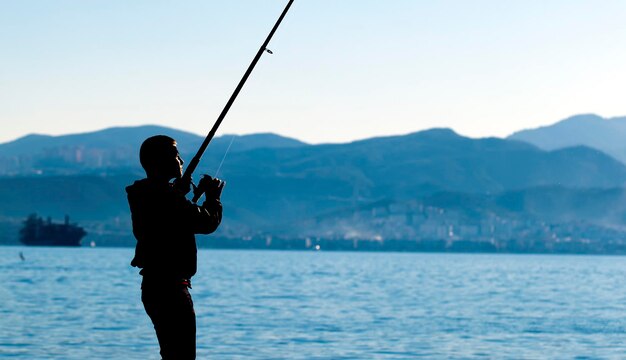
(63, 303)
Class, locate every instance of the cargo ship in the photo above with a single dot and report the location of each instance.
(37, 232)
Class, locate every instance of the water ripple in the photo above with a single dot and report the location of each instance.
(84, 303)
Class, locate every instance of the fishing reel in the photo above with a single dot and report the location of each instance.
(208, 185)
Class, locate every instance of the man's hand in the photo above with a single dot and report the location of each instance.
(211, 187)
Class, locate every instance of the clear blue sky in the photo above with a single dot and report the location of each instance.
(341, 69)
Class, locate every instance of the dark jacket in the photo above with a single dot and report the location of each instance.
(164, 224)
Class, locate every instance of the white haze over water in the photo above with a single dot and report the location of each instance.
(84, 303)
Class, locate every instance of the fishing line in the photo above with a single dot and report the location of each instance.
(226, 153)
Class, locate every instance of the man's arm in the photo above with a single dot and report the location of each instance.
(209, 215)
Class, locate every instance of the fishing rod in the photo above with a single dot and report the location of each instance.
(185, 181)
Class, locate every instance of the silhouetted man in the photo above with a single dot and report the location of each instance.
(164, 224)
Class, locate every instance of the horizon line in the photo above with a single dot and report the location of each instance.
(306, 142)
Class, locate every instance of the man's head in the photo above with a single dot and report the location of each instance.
(160, 158)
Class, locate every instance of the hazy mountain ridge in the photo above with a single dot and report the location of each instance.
(433, 184)
(605, 134)
(114, 148)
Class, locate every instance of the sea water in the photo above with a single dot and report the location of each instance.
(84, 303)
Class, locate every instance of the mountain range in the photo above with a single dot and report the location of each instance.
(283, 187)
(113, 148)
(432, 183)
(605, 134)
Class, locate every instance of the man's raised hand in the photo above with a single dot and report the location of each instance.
(210, 186)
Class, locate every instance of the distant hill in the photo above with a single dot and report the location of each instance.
(321, 189)
(542, 219)
(607, 135)
(428, 161)
(113, 148)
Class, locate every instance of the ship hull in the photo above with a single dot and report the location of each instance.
(37, 232)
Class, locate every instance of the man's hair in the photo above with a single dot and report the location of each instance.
(154, 150)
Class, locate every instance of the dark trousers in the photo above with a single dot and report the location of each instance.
(170, 308)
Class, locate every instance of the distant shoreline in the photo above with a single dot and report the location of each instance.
(327, 247)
